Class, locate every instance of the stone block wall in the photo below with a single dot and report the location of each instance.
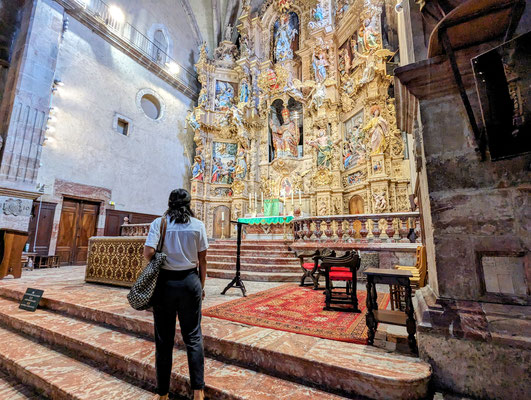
(478, 208)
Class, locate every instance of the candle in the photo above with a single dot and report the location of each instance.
(223, 216)
(292, 198)
(300, 200)
(250, 200)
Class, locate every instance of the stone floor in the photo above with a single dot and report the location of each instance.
(90, 328)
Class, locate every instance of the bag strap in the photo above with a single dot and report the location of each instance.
(163, 225)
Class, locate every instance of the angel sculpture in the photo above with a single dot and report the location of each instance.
(318, 91)
(370, 63)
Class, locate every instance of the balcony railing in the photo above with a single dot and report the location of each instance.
(102, 12)
(387, 228)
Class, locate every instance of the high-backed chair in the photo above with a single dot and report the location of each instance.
(343, 269)
(311, 269)
(419, 271)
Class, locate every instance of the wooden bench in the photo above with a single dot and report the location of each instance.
(418, 278)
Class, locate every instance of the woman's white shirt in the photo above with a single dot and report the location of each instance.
(181, 244)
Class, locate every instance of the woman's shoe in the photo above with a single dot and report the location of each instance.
(199, 394)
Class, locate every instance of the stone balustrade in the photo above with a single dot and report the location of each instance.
(375, 228)
(134, 229)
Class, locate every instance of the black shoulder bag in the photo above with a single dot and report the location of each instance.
(142, 291)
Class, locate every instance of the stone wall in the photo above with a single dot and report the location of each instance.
(100, 81)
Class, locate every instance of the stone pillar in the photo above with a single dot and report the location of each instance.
(475, 214)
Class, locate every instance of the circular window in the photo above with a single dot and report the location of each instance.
(151, 106)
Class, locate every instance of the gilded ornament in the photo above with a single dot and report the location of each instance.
(238, 187)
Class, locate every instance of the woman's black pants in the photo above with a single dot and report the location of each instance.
(178, 293)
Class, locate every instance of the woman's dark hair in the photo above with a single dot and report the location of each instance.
(179, 209)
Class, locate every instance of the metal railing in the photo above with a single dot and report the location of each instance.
(115, 21)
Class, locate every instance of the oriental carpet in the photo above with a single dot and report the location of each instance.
(298, 309)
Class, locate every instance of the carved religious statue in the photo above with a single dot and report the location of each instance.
(325, 148)
(286, 136)
(320, 65)
(377, 129)
(283, 38)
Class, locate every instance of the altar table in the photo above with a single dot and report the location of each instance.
(268, 228)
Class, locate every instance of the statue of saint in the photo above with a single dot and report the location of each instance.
(283, 38)
(286, 136)
(224, 95)
(198, 168)
(320, 63)
(367, 37)
(244, 91)
(228, 33)
(324, 146)
(377, 129)
(241, 164)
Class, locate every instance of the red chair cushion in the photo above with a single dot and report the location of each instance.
(339, 269)
(340, 276)
(308, 266)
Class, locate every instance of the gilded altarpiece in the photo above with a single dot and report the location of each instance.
(298, 110)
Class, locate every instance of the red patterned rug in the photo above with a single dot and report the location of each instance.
(298, 309)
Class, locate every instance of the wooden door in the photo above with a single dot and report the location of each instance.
(86, 227)
(41, 227)
(222, 222)
(356, 205)
(78, 223)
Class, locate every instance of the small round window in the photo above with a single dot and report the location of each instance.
(151, 106)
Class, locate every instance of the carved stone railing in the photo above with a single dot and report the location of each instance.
(375, 228)
(134, 229)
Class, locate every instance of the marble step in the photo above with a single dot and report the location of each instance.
(12, 389)
(126, 354)
(256, 276)
(256, 246)
(253, 241)
(252, 267)
(57, 375)
(250, 253)
(261, 260)
(350, 368)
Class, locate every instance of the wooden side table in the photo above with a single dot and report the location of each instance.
(393, 317)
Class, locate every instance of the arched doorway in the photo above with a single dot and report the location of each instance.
(221, 222)
(356, 205)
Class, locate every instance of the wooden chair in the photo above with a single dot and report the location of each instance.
(341, 269)
(419, 271)
(311, 269)
(54, 261)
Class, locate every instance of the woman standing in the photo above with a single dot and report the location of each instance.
(179, 291)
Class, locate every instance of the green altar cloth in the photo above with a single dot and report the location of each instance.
(267, 220)
(271, 207)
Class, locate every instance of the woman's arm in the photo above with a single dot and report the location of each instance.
(149, 252)
(202, 266)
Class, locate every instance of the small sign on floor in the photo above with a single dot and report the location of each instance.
(30, 300)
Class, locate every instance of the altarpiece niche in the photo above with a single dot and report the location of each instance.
(298, 113)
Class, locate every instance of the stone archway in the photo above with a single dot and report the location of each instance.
(356, 205)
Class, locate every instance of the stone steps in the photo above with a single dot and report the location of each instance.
(265, 247)
(262, 260)
(332, 366)
(254, 267)
(227, 251)
(255, 276)
(63, 377)
(12, 389)
(59, 376)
